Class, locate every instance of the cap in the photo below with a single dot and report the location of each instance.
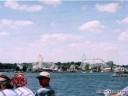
(2, 79)
(43, 74)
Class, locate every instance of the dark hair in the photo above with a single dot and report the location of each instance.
(9, 86)
(7, 79)
(7, 82)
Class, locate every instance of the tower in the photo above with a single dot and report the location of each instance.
(40, 61)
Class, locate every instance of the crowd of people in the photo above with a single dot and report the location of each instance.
(16, 86)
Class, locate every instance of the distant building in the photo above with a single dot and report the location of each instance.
(20, 65)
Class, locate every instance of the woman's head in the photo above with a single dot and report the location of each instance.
(5, 82)
(19, 80)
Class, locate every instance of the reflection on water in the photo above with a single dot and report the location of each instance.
(78, 84)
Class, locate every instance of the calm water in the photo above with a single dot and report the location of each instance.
(78, 84)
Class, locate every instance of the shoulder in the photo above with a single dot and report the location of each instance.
(42, 90)
(123, 92)
(48, 88)
(24, 90)
(126, 88)
(45, 91)
(1, 93)
(10, 91)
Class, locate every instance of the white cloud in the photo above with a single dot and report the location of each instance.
(111, 7)
(92, 26)
(47, 38)
(94, 45)
(116, 30)
(80, 45)
(124, 21)
(123, 36)
(15, 23)
(34, 8)
(4, 34)
(51, 2)
(16, 6)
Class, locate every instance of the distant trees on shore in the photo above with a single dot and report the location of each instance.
(67, 65)
(61, 65)
(8, 66)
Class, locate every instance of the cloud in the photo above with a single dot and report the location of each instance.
(34, 8)
(124, 21)
(4, 34)
(80, 45)
(16, 6)
(15, 23)
(94, 45)
(92, 26)
(123, 36)
(48, 38)
(111, 7)
(51, 2)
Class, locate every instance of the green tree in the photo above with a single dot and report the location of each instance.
(110, 64)
(87, 67)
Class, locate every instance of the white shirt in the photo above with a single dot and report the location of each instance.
(1, 93)
(9, 92)
(24, 91)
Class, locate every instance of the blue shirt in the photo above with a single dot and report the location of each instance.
(45, 91)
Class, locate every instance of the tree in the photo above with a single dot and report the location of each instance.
(87, 67)
(24, 68)
(110, 64)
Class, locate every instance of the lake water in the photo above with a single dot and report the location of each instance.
(78, 84)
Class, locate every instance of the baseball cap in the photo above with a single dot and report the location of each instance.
(43, 74)
(4, 78)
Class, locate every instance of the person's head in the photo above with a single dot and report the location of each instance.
(44, 78)
(5, 82)
(19, 80)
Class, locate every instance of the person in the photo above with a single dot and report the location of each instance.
(20, 82)
(44, 80)
(6, 88)
(123, 92)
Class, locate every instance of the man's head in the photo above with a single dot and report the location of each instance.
(44, 78)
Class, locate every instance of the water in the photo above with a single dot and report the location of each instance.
(78, 84)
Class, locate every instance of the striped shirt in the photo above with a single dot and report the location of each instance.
(24, 91)
(8, 92)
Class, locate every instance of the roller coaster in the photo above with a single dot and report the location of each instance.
(97, 62)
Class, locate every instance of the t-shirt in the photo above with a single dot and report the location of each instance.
(45, 91)
(24, 91)
(9, 92)
(1, 93)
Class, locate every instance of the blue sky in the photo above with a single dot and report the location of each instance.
(63, 30)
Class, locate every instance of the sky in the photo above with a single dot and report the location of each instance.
(63, 31)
